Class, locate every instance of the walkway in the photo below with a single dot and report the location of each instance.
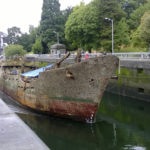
(15, 134)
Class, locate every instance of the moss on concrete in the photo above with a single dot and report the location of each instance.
(132, 75)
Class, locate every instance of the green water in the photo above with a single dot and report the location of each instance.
(122, 124)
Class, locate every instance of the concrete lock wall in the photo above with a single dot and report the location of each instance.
(133, 81)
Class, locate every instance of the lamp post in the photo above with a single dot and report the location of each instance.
(112, 33)
(57, 34)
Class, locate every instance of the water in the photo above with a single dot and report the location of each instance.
(122, 124)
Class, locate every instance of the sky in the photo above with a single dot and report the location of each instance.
(22, 13)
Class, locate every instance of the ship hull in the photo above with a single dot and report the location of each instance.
(76, 97)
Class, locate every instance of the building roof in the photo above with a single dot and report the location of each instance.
(58, 46)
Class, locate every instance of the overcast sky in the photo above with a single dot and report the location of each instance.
(22, 13)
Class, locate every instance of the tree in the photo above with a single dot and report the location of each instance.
(109, 9)
(13, 34)
(82, 26)
(27, 40)
(136, 15)
(131, 5)
(51, 21)
(141, 36)
(12, 50)
(137, 41)
(37, 47)
(122, 34)
(34, 33)
(145, 28)
(65, 15)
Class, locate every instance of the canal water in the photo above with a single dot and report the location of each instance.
(122, 123)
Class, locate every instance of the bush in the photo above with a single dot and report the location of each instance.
(42, 64)
(37, 47)
(12, 50)
(131, 49)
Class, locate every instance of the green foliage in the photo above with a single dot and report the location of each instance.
(131, 49)
(82, 26)
(141, 37)
(137, 41)
(97, 32)
(27, 40)
(42, 64)
(13, 50)
(37, 47)
(52, 20)
(85, 27)
(49, 22)
(109, 9)
(122, 33)
(13, 35)
(129, 6)
(24, 40)
(136, 15)
(145, 28)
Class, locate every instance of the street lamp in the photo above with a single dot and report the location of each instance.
(112, 33)
(57, 34)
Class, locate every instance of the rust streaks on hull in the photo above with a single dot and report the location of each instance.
(82, 111)
(77, 110)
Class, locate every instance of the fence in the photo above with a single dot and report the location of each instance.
(135, 55)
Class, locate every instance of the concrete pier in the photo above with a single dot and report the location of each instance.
(15, 134)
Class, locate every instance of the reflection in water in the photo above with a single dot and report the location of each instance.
(60, 134)
(115, 134)
(122, 124)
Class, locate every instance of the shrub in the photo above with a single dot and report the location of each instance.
(131, 49)
(42, 64)
(37, 47)
(12, 50)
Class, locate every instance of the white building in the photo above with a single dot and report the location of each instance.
(58, 49)
(2, 42)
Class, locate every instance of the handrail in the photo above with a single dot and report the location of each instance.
(129, 55)
(132, 55)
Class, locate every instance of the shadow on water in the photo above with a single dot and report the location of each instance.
(122, 124)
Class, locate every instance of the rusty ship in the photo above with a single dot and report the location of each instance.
(73, 91)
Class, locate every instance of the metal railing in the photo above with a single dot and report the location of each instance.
(130, 55)
(134, 55)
